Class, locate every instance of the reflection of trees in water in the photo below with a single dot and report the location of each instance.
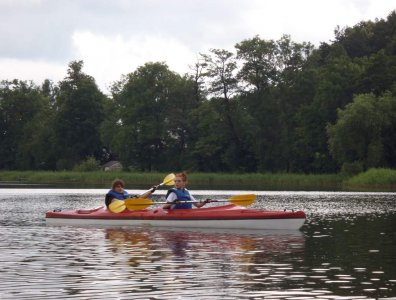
(229, 249)
(332, 257)
(352, 254)
(137, 245)
(178, 261)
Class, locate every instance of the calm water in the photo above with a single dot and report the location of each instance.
(346, 250)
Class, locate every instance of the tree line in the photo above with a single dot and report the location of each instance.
(267, 106)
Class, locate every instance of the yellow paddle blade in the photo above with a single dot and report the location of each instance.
(138, 203)
(117, 206)
(169, 179)
(243, 200)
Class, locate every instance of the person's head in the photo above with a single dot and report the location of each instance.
(118, 185)
(181, 180)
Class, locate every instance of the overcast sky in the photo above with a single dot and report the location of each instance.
(38, 38)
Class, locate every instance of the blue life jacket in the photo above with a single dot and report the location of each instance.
(121, 196)
(182, 195)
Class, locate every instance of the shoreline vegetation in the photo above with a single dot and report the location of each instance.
(263, 105)
(375, 180)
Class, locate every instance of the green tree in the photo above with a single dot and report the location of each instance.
(358, 134)
(152, 118)
(79, 106)
(89, 165)
(109, 128)
(368, 37)
(220, 72)
(37, 148)
(274, 88)
(20, 103)
(259, 58)
(211, 143)
(335, 80)
(290, 93)
(197, 77)
(181, 123)
(379, 73)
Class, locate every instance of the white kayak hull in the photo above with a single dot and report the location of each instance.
(270, 224)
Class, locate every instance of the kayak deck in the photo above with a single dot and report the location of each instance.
(226, 216)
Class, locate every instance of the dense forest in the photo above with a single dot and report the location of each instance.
(269, 106)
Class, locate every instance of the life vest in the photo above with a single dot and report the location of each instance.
(182, 195)
(120, 196)
(113, 194)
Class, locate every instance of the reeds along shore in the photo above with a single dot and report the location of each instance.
(371, 180)
(383, 180)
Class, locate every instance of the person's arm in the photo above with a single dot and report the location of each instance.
(150, 192)
(198, 203)
(171, 198)
(195, 202)
(201, 203)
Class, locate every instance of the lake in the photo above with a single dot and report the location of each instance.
(345, 250)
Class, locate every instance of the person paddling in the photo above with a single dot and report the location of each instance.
(179, 193)
(117, 192)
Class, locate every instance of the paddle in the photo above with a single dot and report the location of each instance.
(168, 180)
(142, 203)
(118, 206)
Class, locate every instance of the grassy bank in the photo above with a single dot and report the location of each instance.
(267, 181)
(372, 180)
(81, 179)
(196, 180)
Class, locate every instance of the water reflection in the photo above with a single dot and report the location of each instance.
(346, 250)
(184, 260)
(243, 245)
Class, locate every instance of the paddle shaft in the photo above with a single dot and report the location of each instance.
(140, 203)
(186, 201)
(148, 192)
(167, 179)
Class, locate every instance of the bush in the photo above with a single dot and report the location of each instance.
(374, 177)
(90, 164)
(351, 169)
(64, 164)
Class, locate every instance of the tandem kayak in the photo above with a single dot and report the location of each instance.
(226, 216)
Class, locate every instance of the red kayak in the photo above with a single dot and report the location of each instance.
(226, 216)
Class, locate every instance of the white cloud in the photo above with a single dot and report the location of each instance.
(108, 57)
(39, 37)
(34, 70)
(310, 20)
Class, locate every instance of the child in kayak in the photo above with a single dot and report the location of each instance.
(180, 194)
(117, 192)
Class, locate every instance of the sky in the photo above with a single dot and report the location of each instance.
(39, 38)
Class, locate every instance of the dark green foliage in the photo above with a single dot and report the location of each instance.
(150, 125)
(272, 106)
(89, 165)
(22, 107)
(79, 113)
(359, 133)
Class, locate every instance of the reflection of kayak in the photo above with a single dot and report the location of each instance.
(241, 248)
(148, 240)
(227, 216)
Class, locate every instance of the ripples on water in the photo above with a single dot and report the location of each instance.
(346, 250)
